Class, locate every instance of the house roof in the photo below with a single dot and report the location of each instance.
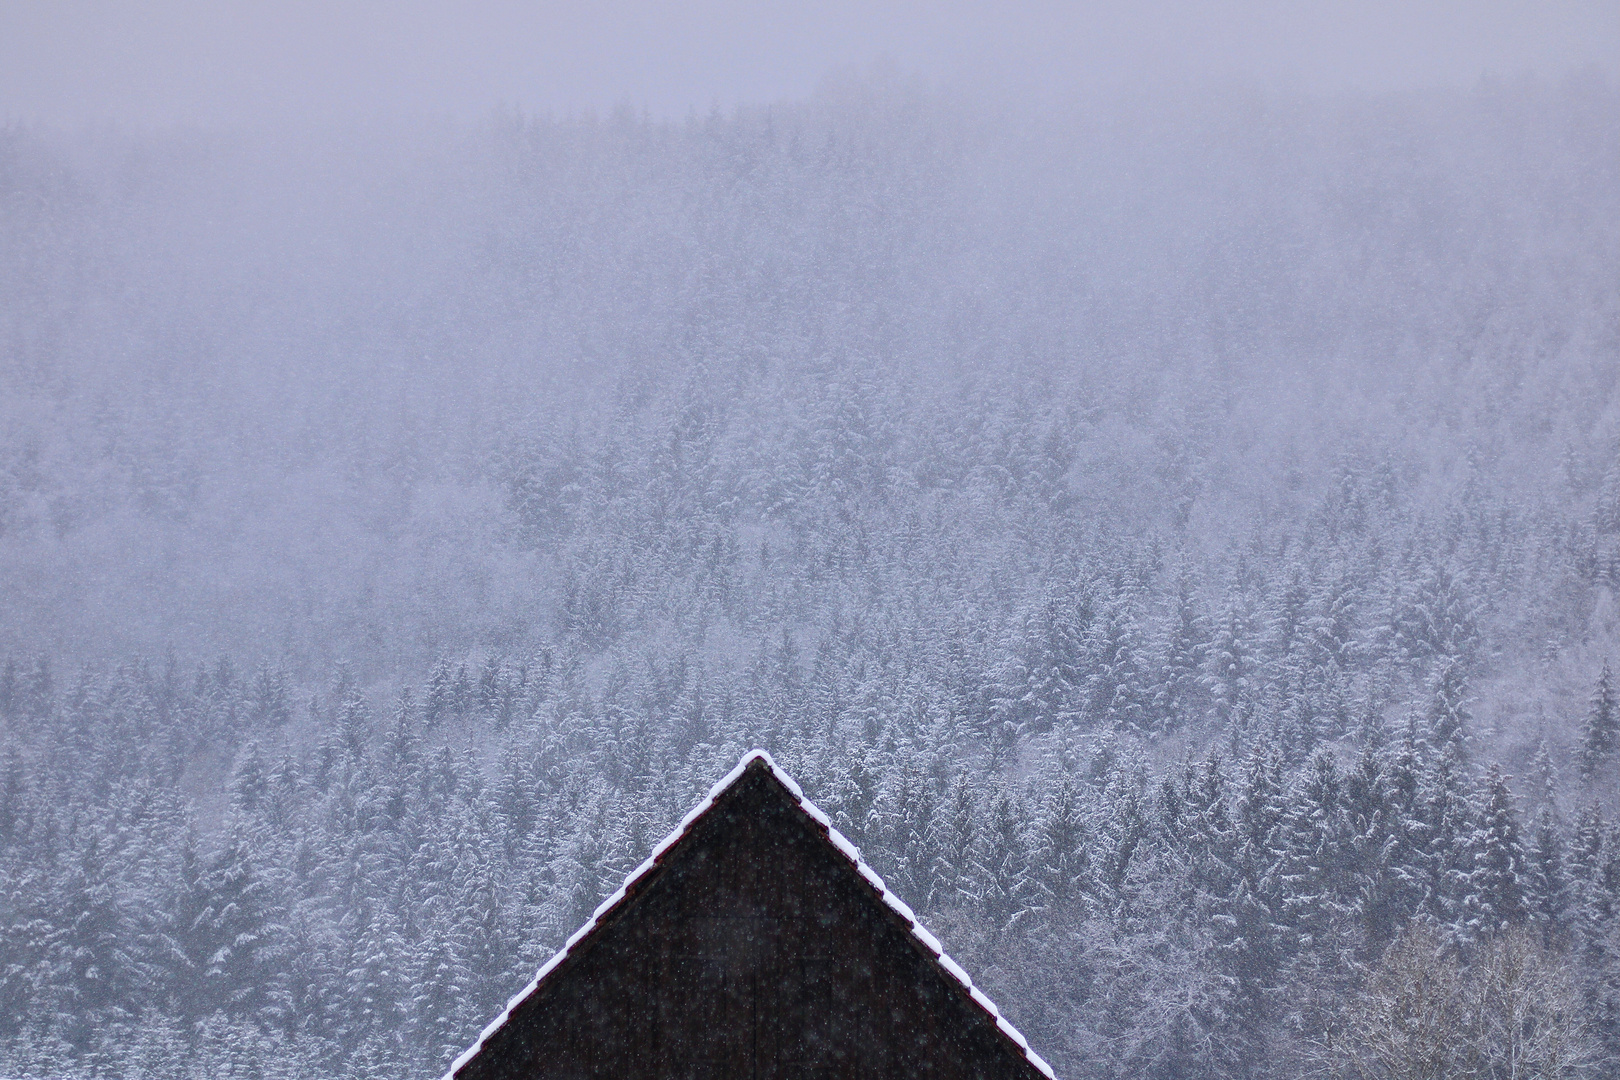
(759, 759)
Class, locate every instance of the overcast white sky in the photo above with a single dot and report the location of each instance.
(163, 61)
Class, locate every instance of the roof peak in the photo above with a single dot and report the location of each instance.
(753, 761)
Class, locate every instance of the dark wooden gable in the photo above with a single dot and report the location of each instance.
(754, 944)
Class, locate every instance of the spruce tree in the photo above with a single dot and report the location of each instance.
(14, 801)
(957, 829)
(1601, 733)
(1126, 828)
(1448, 820)
(1495, 897)
(10, 689)
(1546, 776)
(1449, 716)
(1546, 892)
(1038, 684)
(1371, 844)
(1178, 688)
(1331, 623)
(1002, 886)
(439, 695)
(1229, 662)
(38, 695)
(1248, 921)
(1060, 855)
(237, 939)
(270, 705)
(1316, 873)
(1115, 685)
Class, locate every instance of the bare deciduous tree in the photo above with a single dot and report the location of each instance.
(1509, 1011)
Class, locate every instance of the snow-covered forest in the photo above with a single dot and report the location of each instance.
(1178, 539)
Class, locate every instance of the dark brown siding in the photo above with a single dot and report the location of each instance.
(753, 951)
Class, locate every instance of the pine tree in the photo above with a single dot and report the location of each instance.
(853, 795)
(1117, 684)
(1126, 832)
(236, 940)
(1444, 863)
(1546, 891)
(1601, 733)
(491, 688)
(1286, 618)
(1002, 885)
(312, 1003)
(1178, 691)
(440, 694)
(352, 712)
(1062, 862)
(1606, 509)
(1215, 900)
(1230, 667)
(1380, 799)
(1317, 871)
(250, 785)
(1496, 888)
(403, 739)
(271, 705)
(38, 695)
(906, 809)
(444, 983)
(440, 986)
(374, 988)
(1248, 921)
(1331, 624)
(1585, 867)
(1449, 716)
(1038, 685)
(14, 802)
(1436, 618)
(957, 830)
(224, 699)
(92, 966)
(1205, 826)
(461, 692)
(10, 690)
(1546, 776)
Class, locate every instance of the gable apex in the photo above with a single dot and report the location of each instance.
(758, 763)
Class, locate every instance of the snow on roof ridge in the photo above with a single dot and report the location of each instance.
(845, 848)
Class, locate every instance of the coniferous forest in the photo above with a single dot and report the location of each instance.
(1178, 540)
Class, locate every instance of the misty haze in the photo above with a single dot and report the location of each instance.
(1168, 520)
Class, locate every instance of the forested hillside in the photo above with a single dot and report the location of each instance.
(1179, 544)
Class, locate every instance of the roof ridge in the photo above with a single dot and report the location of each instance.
(839, 842)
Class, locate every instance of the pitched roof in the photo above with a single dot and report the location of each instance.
(626, 894)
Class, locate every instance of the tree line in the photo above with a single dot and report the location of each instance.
(361, 887)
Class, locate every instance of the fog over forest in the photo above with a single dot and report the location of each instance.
(1175, 535)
